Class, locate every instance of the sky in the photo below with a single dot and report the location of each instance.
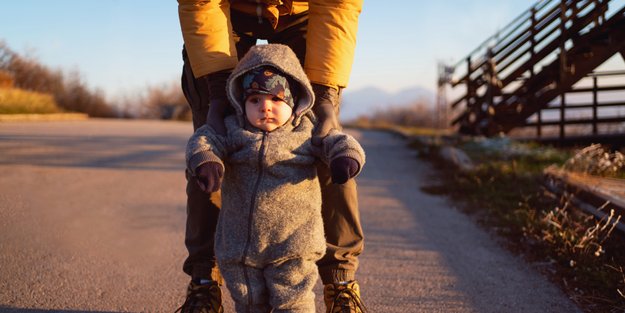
(123, 47)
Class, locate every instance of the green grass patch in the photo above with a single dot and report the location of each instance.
(18, 101)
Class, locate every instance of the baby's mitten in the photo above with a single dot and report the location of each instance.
(209, 176)
(342, 169)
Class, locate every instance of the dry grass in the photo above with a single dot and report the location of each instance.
(415, 120)
(17, 101)
(587, 254)
(418, 115)
(505, 194)
(621, 274)
(597, 160)
(575, 234)
(404, 130)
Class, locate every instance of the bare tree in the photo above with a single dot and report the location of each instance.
(69, 90)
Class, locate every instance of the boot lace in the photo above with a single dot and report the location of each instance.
(347, 300)
(202, 299)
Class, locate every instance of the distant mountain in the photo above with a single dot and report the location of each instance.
(365, 101)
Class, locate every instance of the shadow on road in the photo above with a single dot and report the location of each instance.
(132, 152)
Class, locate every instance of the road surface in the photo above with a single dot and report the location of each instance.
(92, 220)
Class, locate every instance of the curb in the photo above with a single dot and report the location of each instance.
(43, 117)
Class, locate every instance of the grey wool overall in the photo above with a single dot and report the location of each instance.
(270, 231)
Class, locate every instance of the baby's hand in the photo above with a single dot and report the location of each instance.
(342, 169)
(209, 176)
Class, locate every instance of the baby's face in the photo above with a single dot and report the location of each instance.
(267, 112)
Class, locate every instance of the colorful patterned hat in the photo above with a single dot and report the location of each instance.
(267, 80)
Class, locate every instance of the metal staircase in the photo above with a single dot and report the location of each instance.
(512, 79)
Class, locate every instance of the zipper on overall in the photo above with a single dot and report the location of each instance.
(261, 157)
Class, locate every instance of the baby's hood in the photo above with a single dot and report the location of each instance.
(285, 60)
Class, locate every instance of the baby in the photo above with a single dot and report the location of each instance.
(270, 231)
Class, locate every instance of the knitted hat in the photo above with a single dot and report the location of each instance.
(267, 80)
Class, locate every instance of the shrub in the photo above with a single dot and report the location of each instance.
(597, 160)
(68, 90)
(17, 101)
(6, 79)
(418, 114)
(165, 102)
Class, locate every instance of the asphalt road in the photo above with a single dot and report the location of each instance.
(92, 220)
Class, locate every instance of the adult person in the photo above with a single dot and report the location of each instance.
(322, 33)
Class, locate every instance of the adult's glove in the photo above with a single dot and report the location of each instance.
(326, 98)
(209, 175)
(218, 101)
(342, 169)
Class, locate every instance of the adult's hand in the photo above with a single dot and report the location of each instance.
(218, 101)
(326, 99)
(208, 176)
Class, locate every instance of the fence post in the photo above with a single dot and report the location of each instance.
(562, 115)
(563, 66)
(469, 89)
(532, 73)
(444, 78)
(596, 3)
(594, 105)
(490, 69)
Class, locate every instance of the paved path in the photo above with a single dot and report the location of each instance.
(92, 215)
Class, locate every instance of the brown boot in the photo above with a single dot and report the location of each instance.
(204, 298)
(343, 298)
